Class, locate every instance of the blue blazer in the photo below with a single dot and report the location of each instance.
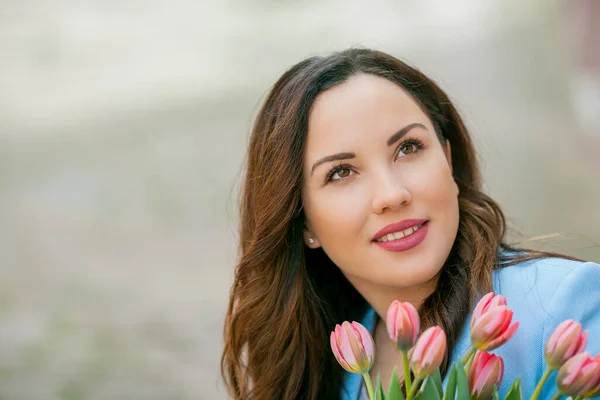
(542, 293)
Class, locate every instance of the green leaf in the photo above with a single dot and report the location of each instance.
(515, 392)
(495, 395)
(437, 379)
(462, 383)
(451, 385)
(379, 395)
(428, 390)
(394, 391)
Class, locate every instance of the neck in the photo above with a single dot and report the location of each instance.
(380, 297)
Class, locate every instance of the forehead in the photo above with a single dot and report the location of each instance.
(365, 107)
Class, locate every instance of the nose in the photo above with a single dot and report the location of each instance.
(390, 194)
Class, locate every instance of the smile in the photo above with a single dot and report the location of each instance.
(403, 240)
(398, 235)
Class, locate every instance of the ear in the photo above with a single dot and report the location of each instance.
(310, 240)
(448, 152)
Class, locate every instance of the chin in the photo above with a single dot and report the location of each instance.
(408, 278)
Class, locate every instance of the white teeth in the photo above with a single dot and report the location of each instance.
(408, 231)
(398, 235)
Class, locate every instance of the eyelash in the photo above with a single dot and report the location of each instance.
(338, 167)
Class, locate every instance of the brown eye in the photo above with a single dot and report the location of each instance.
(343, 173)
(339, 174)
(409, 148)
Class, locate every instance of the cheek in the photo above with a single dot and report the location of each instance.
(435, 185)
(337, 216)
(435, 179)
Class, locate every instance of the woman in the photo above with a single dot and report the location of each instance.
(362, 187)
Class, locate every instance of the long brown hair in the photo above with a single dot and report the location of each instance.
(286, 298)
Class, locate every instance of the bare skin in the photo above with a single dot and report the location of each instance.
(386, 358)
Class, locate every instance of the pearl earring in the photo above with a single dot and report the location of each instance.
(311, 240)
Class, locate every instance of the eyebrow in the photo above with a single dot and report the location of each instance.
(333, 157)
(398, 135)
(346, 156)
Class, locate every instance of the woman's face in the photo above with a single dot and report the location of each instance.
(373, 163)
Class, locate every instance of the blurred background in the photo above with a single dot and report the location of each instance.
(123, 126)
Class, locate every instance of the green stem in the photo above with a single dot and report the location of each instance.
(369, 384)
(469, 355)
(413, 389)
(470, 361)
(407, 382)
(556, 396)
(538, 388)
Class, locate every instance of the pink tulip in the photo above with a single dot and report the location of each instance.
(491, 323)
(428, 353)
(578, 375)
(566, 341)
(594, 391)
(486, 371)
(403, 324)
(353, 347)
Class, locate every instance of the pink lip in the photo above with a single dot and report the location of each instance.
(399, 226)
(406, 242)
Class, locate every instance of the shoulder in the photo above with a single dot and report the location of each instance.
(543, 293)
(549, 282)
(550, 290)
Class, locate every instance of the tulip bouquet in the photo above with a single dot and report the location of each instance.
(479, 373)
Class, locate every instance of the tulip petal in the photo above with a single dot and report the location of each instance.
(337, 353)
(594, 390)
(572, 339)
(562, 337)
(438, 341)
(367, 342)
(501, 375)
(497, 300)
(590, 375)
(428, 352)
(390, 320)
(481, 306)
(486, 371)
(555, 336)
(483, 382)
(415, 321)
(422, 344)
(484, 358)
(583, 342)
(495, 320)
(357, 347)
(475, 367)
(334, 345)
(565, 329)
(485, 326)
(565, 341)
(402, 323)
(346, 344)
(505, 337)
(569, 371)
